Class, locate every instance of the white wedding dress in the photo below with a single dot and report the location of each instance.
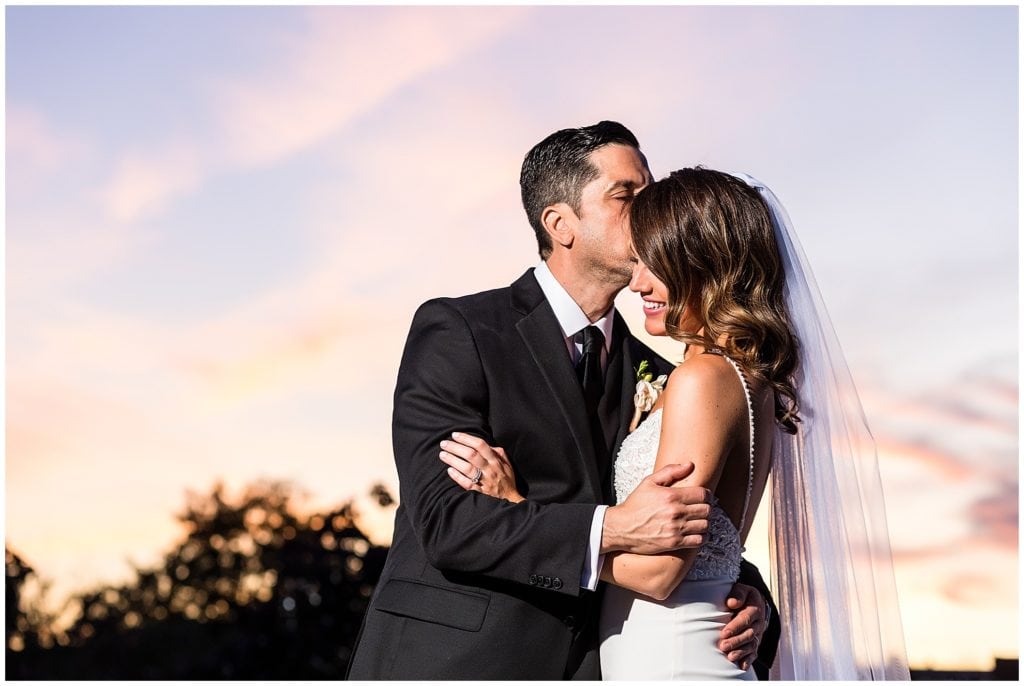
(677, 638)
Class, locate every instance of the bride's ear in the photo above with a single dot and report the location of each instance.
(560, 221)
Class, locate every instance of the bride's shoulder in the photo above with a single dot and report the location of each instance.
(704, 381)
(702, 370)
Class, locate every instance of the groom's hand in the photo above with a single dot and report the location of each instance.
(656, 517)
(742, 635)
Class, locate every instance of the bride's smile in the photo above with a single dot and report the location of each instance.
(653, 307)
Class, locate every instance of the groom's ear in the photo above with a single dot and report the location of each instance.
(559, 220)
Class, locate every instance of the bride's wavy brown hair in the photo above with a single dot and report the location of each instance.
(708, 236)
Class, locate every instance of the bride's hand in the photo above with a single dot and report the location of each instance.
(468, 456)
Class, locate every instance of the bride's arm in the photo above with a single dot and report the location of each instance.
(703, 412)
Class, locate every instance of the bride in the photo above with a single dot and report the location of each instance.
(710, 276)
(762, 391)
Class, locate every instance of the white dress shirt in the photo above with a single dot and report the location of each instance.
(573, 320)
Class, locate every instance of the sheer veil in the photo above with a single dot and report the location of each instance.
(832, 573)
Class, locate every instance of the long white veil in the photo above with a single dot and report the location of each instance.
(832, 573)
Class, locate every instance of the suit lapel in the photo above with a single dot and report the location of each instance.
(542, 335)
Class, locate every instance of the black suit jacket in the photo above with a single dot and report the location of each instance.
(476, 587)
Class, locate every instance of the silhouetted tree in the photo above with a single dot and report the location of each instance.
(30, 624)
(17, 574)
(252, 592)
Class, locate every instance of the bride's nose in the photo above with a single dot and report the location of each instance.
(638, 282)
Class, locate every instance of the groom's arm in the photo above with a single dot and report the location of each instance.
(442, 388)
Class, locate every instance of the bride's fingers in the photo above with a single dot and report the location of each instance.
(466, 453)
(461, 479)
(464, 469)
(460, 470)
(458, 464)
(469, 440)
(482, 447)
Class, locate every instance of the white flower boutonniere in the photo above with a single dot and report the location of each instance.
(647, 391)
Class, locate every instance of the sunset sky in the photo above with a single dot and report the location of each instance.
(219, 222)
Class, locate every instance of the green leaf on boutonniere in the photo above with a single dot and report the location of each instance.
(642, 374)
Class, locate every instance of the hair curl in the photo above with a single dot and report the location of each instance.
(708, 237)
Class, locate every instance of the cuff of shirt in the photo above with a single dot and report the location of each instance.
(593, 562)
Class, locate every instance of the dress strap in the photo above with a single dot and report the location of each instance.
(750, 418)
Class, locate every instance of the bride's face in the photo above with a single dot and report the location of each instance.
(654, 293)
(655, 296)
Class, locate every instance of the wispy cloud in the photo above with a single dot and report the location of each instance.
(345, 63)
(60, 227)
(142, 183)
(928, 455)
(996, 516)
(971, 590)
(34, 144)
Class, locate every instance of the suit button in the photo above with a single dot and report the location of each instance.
(547, 582)
(556, 583)
(533, 579)
(570, 620)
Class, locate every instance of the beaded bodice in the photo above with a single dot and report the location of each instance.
(719, 556)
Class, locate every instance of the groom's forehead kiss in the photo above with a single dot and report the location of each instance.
(622, 172)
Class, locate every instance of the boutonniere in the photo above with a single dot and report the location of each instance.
(647, 391)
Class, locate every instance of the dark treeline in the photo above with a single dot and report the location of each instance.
(253, 592)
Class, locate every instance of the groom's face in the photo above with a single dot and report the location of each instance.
(602, 235)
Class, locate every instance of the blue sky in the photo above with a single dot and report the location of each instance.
(220, 220)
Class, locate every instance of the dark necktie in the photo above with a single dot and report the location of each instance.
(588, 369)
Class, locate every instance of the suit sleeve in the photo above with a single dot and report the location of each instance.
(442, 388)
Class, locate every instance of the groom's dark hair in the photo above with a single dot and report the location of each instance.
(556, 170)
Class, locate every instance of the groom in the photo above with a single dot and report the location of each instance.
(480, 588)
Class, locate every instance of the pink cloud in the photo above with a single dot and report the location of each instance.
(971, 589)
(34, 144)
(143, 183)
(935, 460)
(348, 62)
(996, 516)
(269, 361)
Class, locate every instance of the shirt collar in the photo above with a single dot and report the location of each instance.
(569, 315)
